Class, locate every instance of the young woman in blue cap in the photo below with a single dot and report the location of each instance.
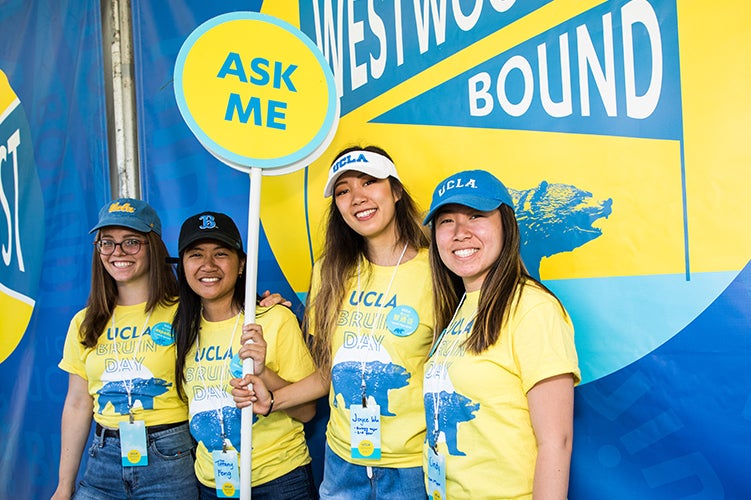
(499, 383)
(119, 352)
(209, 325)
(370, 314)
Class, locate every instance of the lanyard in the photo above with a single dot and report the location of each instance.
(375, 321)
(220, 409)
(128, 383)
(442, 371)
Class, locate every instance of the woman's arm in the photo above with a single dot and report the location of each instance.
(551, 409)
(307, 390)
(76, 423)
(303, 411)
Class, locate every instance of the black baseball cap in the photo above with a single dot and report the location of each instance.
(209, 226)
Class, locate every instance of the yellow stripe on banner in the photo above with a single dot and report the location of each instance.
(531, 25)
(7, 96)
(283, 217)
(286, 11)
(14, 318)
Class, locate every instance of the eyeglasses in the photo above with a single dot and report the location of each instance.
(130, 246)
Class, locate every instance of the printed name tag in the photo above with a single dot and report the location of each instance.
(436, 475)
(133, 443)
(226, 474)
(365, 431)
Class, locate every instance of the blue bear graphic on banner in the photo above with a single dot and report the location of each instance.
(380, 378)
(454, 409)
(555, 218)
(143, 390)
(205, 427)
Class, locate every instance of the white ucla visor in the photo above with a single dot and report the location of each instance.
(366, 162)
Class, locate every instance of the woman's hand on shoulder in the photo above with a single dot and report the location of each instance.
(269, 299)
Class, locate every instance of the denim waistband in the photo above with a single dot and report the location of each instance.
(107, 432)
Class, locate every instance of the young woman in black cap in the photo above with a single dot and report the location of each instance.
(208, 327)
(119, 352)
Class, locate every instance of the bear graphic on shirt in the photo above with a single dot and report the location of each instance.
(444, 411)
(205, 427)
(380, 378)
(142, 393)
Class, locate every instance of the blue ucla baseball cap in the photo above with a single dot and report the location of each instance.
(131, 213)
(476, 189)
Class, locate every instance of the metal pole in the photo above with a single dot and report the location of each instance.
(251, 273)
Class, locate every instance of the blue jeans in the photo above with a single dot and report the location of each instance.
(169, 473)
(295, 485)
(345, 481)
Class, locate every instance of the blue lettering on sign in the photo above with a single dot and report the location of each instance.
(262, 73)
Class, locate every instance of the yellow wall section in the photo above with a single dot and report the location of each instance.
(7, 95)
(15, 317)
(716, 78)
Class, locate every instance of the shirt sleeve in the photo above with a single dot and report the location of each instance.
(543, 343)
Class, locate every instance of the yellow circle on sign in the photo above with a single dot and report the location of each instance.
(255, 91)
(365, 448)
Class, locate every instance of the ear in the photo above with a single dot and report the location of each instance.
(397, 191)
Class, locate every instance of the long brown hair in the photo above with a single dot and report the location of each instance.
(343, 248)
(103, 292)
(501, 287)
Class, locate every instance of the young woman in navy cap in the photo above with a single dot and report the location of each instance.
(499, 383)
(209, 325)
(119, 352)
(370, 314)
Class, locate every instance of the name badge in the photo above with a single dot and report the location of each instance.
(133, 443)
(226, 473)
(436, 475)
(365, 431)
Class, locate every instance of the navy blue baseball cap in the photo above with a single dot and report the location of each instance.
(476, 189)
(210, 226)
(131, 213)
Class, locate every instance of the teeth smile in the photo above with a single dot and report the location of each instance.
(209, 280)
(122, 265)
(365, 213)
(465, 252)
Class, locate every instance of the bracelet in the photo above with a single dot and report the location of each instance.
(271, 406)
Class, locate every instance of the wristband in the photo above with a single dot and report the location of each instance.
(271, 406)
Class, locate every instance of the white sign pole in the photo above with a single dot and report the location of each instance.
(251, 280)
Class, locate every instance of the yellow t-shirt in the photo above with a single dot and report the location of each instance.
(136, 354)
(476, 405)
(278, 440)
(383, 336)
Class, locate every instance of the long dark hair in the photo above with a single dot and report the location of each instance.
(501, 287)
(343, 248)
(103, 292)
(187, 320)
